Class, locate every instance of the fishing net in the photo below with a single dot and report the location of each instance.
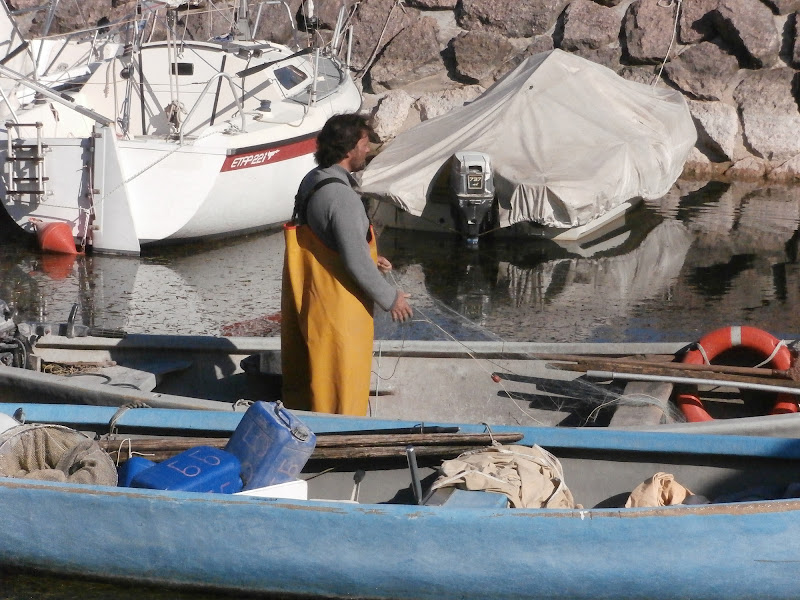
(558, 395)
(54, 453)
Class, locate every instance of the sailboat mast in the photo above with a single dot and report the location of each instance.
(243, 21)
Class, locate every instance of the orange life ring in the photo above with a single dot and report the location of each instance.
(717, 342)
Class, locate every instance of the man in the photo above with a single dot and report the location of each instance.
(332, 275)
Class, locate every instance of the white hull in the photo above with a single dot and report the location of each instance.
(439, 217)
(229, 164)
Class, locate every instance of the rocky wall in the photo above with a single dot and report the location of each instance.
(735, 61)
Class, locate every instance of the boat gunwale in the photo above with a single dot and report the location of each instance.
(412, 511)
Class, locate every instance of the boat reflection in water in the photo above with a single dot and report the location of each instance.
(705, 256)
(213, 289)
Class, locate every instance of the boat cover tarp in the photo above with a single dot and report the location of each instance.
(568, 139)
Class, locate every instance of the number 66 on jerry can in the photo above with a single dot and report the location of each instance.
(271, 443)
(198, 469)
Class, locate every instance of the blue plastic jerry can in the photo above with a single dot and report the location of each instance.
(199, 469)
(131, 468)
(272, 444)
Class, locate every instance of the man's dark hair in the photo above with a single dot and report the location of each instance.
(339, 135)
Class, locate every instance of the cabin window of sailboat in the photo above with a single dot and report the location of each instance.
(182, 68)
(290, 76)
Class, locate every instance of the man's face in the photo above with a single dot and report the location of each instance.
(358, 155)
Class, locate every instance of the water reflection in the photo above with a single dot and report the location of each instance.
(704, 256)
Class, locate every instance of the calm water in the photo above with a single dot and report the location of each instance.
(705, 256)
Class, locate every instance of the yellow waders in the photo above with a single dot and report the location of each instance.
(326, 328)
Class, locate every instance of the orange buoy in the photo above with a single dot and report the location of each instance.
(56, 237)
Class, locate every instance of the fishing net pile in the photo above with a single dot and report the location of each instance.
(54, 453)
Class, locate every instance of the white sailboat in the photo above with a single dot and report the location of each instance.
(174, 140)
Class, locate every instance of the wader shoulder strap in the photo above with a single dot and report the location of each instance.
(301, 202)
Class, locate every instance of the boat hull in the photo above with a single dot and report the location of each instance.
(506, 383)
(440, 217)
(228, 163)
(334, 549)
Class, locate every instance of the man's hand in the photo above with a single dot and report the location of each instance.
(384, 266)
(401, 311)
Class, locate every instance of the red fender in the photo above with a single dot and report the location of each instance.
(717, 342)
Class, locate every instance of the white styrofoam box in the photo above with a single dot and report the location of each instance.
(296, 489)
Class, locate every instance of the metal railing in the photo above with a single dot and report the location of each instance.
(203, 93)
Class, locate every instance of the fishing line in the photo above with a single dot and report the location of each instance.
(589, 394)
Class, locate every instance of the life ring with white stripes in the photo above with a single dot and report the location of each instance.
(715, 343)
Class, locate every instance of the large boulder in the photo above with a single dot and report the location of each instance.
(435, 104)
(588, 25)
(695, 23)
(749, 27)
(511, 18)
(703, 71)
(648, 26)
(480, 53)
(717, 129)
(769, 112)
(375, 23)
(391, 113)
(412, 54)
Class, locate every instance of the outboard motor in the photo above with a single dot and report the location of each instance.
(15, 348)
(472, 184)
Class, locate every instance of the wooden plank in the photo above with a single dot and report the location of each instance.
(323, 440)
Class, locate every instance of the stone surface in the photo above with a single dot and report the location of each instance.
(411, 55)
(375, 23)
(435, 104)
(648, 26)
(588, 25)
(608, 57)
(788, 172)
(538, 43)
(641, 74)
(769, 112)
(748, 169)
(391, 113)
(478, 54)
(695, 24)
(434, 4)
(749, 26)
(794, 20)
(703, 71)
(511, 17)
(783, 7)
(717, 128)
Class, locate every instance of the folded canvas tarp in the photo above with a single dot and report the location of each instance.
(568, 140)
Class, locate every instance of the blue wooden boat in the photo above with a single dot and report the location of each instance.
(387, 546)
